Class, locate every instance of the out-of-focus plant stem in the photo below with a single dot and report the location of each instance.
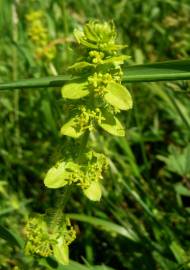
(15, 76)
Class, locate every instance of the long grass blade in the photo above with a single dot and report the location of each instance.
(106, 225)
(53, 81)
(163, 71)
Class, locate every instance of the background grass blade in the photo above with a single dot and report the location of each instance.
(163, 71)
(49, 263)
(106, 225)
(11, 237)
(35, 83)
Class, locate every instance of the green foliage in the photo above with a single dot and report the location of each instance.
(178, 160)
(101, 89)
(85, 173)
(100, 97)
(75, 90)
(118, 96)
(46, 238)
(102, 86)
(142, 222)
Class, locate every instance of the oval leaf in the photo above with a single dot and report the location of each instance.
(112, 125)
(61, 174)
(55, 177)
(118, 96)
(61, 252)
(75, 90)
(93, 192)
(70, 129)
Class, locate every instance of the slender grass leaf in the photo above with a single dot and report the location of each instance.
(178, 252)
(106, 225)
(161, 71)
(53, 81)
(11, 237)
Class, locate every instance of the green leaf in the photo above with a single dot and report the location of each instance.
(182, 190)
(71, 266)
(90, 34)
(75, 90)
(178, 252)
(60, 174)
(51, 81)
(106, 225)
(55, 176)
(81, 65)
(162, 71)
(118, 60)
(178, 160)
(11, 237)
(61, 252)
(88, 44)
(93, 192)
(70, 129)
(118, 96)
(111, 124)
(114, 47)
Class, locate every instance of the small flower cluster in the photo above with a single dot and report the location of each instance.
(38, 34)
(45, 240)
(101, 89)
(85, 173)
(99, 97)
(94, 101)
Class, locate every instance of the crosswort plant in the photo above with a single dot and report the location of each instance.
(92, 102)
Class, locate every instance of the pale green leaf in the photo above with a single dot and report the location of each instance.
(90, 34)
(55, 177)
(60, 174)
(75, 90)
(118, 96)
(78, 35)
(61, 252)
(118, 60)
(112, 125)
(93, 192)
(113, 47)
(88, 44)
(70, 129)
(81, 65)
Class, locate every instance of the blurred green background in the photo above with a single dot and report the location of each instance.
(147, 189)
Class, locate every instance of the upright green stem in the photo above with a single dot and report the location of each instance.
(84, 142)
(68, 189)
(15, 75)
